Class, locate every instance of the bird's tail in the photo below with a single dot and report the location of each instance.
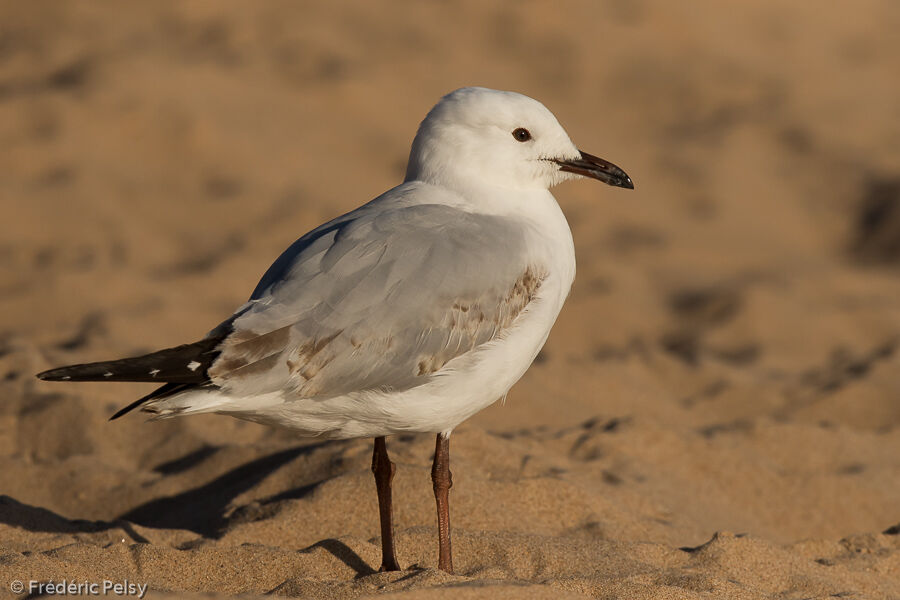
(187, 363)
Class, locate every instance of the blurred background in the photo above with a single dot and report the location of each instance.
(730, 346)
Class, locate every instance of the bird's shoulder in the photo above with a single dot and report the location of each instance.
(413, 219)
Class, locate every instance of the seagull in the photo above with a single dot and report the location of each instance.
(408, 314)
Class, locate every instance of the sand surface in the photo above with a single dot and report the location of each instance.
(716, 414)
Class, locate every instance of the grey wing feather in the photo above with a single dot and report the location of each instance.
(378, 299)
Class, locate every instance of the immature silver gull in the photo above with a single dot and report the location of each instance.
(409, 314)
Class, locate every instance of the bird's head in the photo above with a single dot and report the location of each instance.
(501, 139)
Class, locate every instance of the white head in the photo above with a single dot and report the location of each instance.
(501, 139)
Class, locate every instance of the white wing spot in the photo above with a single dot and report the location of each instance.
(193, 365)
(67, 377)
(154, 372)
(108, 374)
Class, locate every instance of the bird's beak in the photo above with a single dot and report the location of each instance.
(596, 168)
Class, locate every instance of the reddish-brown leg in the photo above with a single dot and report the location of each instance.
(443, 481)
(383, 469)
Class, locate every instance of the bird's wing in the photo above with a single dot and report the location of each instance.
(378, 300)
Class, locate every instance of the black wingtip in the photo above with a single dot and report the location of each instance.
(161, 392)
(126, 410)
(100, 371)
(53, 375)
(132, 406)
(187, 363)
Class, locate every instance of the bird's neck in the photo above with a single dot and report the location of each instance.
(532, 204)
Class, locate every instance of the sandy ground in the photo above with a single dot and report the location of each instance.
(716, 414)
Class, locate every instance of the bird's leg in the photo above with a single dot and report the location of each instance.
(443, 481)
(384, 469)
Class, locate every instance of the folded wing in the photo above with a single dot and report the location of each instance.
(379, 302)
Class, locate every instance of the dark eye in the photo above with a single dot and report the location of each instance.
(521, 135)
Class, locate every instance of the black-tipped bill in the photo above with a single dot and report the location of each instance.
(596, 168)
